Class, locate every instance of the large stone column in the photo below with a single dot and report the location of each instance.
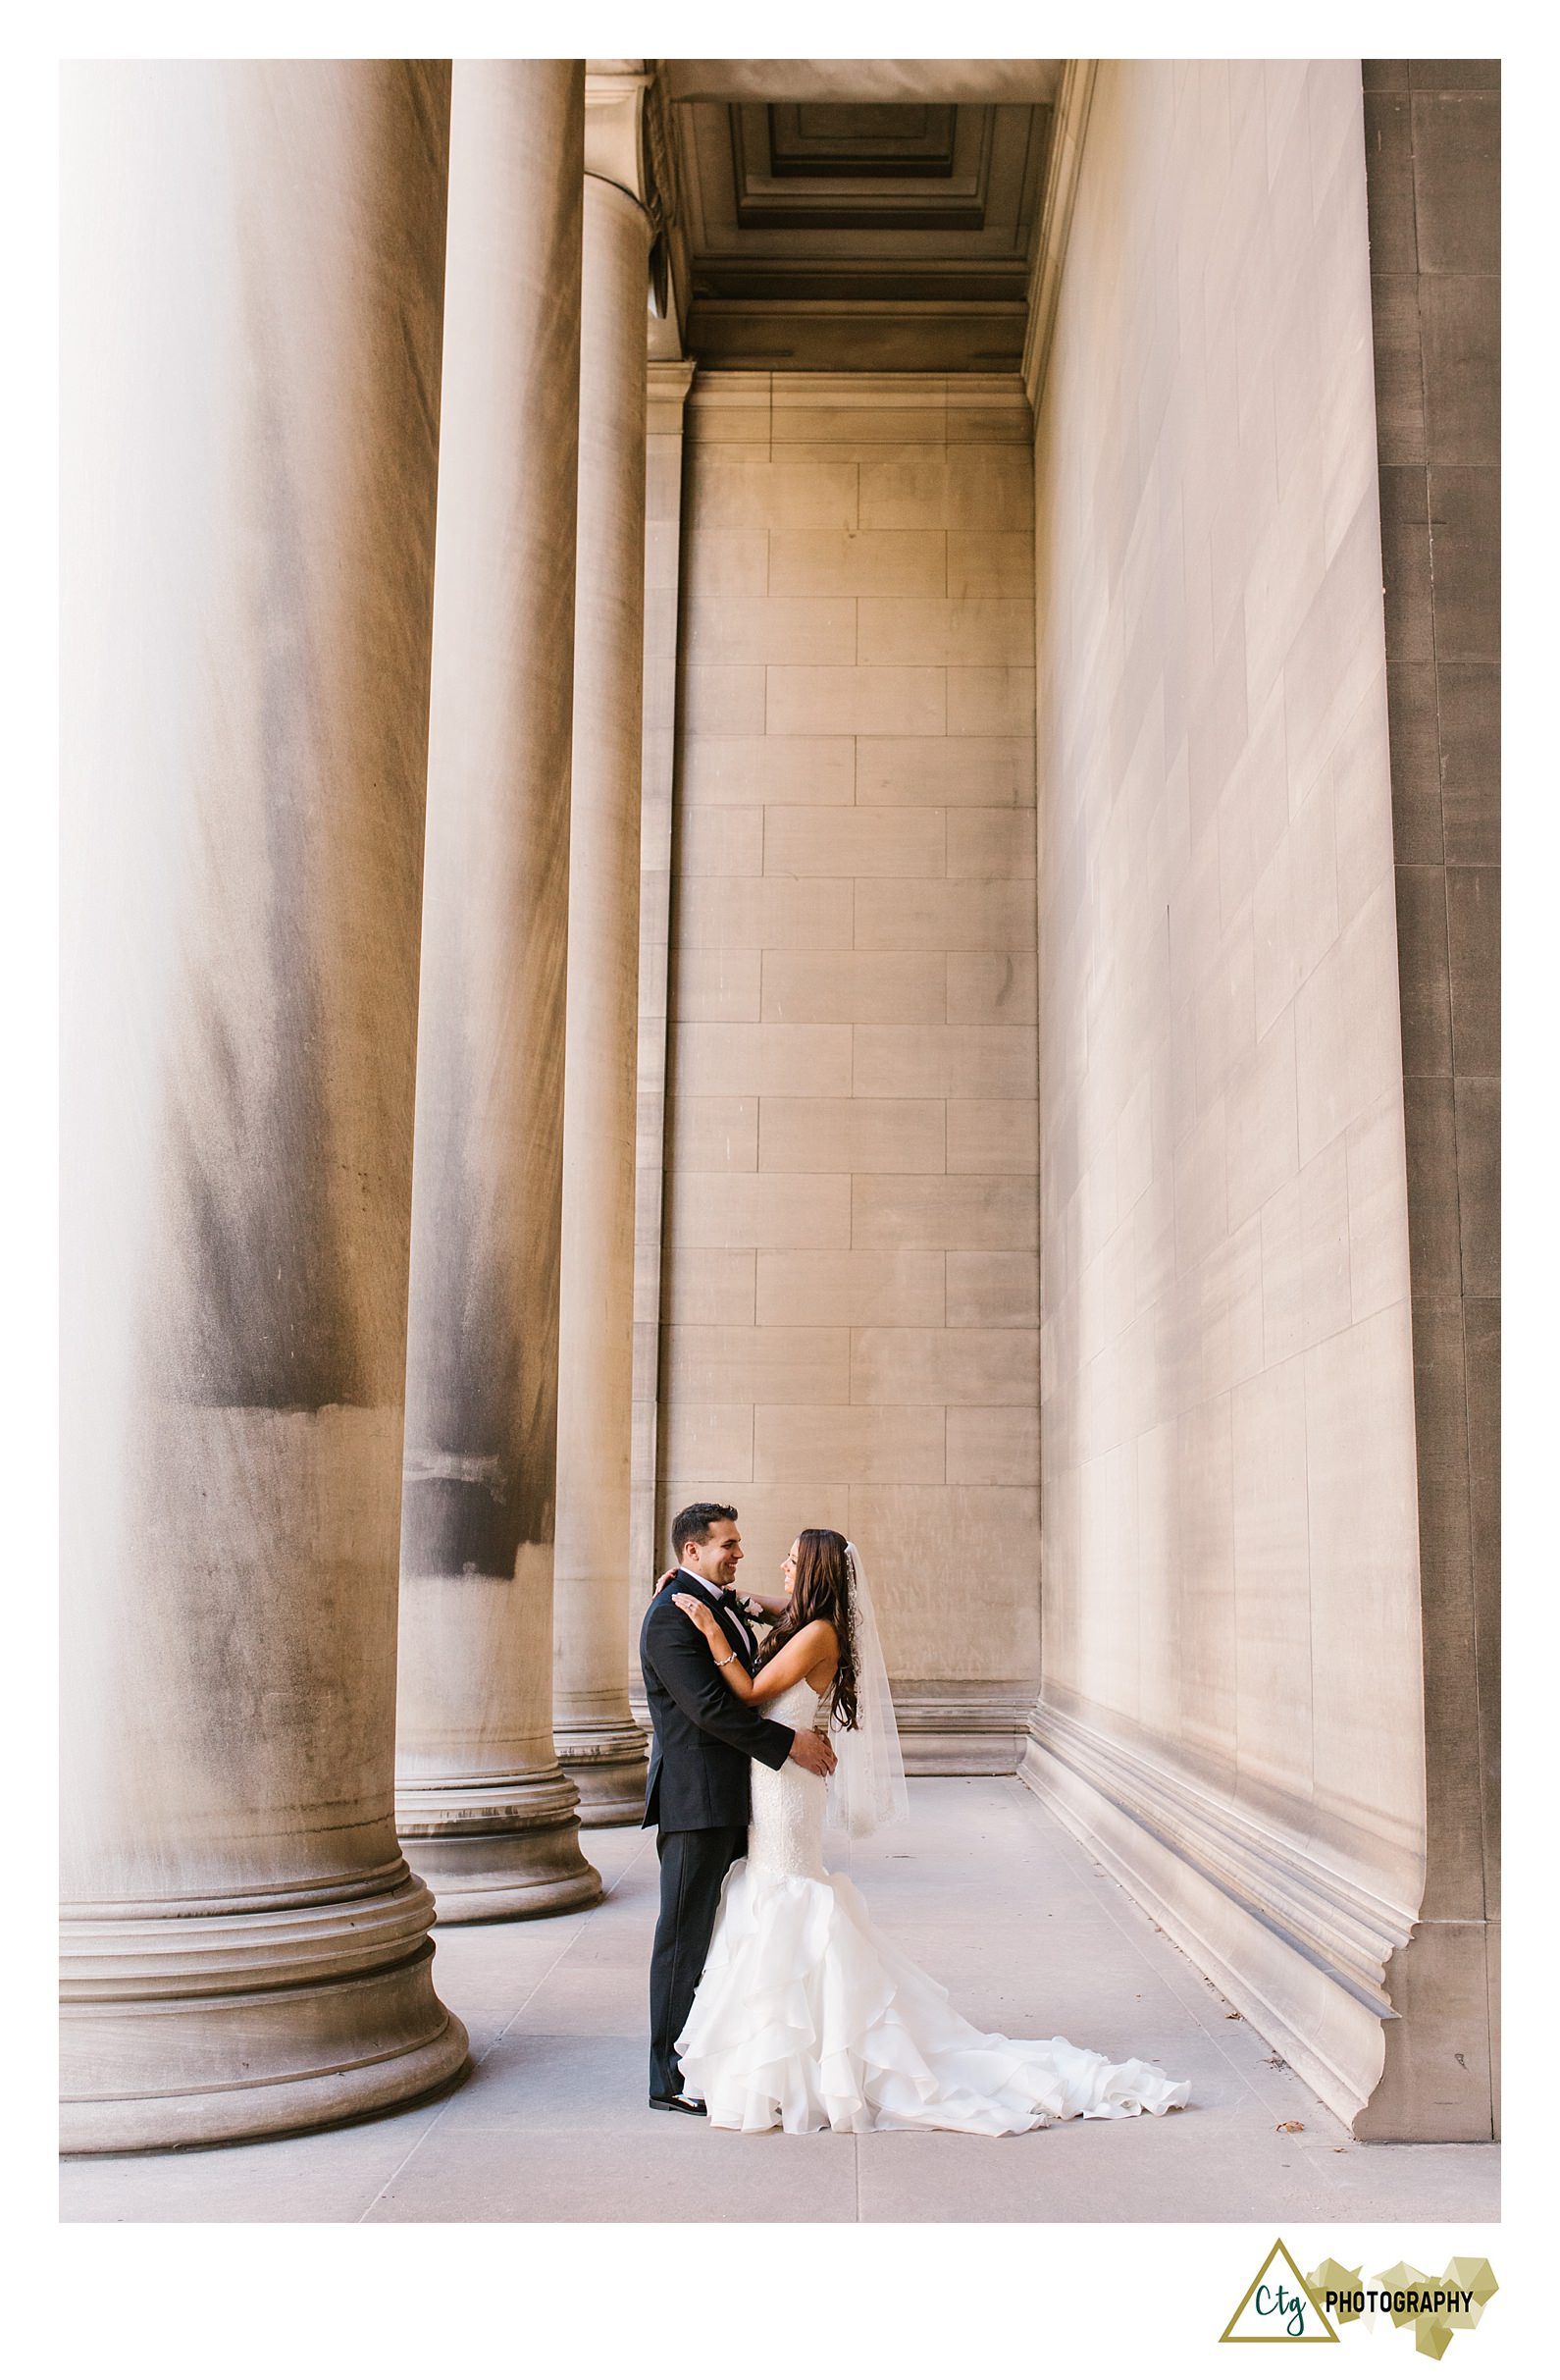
(253, 272)
(600, 1743)
(479, 1787)
(669, 384)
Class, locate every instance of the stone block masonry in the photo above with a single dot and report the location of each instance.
(850, 1325)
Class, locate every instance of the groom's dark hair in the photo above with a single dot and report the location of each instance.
(695, 1522)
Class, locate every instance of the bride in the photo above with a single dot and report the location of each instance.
(805, 2016)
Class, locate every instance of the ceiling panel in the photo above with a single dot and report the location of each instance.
(835, 194)
(822, 138)
(899, 233)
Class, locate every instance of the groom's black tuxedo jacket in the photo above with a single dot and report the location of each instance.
(705, 1737)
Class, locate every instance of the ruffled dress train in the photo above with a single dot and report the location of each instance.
(807, 2019)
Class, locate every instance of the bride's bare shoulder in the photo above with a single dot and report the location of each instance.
(819, 1640)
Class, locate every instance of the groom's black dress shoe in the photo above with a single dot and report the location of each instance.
(682, 2104)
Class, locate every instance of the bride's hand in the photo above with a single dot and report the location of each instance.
(700, 1613)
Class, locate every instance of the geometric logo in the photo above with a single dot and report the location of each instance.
(1279, 2310)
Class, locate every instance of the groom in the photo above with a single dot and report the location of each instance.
(697, 1795)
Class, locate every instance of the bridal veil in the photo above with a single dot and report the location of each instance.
(867, 1788)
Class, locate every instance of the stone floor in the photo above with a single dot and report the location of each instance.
(989, 1893)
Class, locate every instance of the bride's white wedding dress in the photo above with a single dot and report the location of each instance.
(808, 2019)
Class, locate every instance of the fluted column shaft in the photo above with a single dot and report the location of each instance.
(479, 1788)
(253, 265)
(598, 1742)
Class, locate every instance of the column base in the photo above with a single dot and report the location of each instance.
(608, 1763)
(226, 2020)
(499, 1847)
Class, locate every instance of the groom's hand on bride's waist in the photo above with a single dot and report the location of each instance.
(809, 1751)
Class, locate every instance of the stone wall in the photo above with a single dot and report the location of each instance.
(1231, 1712)
(849, 1273)
(1432, 153)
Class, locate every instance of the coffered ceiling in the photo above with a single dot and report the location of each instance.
(878, 214)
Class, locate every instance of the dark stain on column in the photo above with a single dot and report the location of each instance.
(291, 1110)
(482, 1349)
(246, 1673)
(481, 1429)
(481, 1361)
(264, 1281)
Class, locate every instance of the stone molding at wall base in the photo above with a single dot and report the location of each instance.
(949, 1729)
(1301, 1950)
(498, 1848)
(1438, 2081)
(329, 2000)
(609, 1765)
(1056, 218)
(956, 1729)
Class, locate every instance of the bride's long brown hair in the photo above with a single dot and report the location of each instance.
(821, 1590)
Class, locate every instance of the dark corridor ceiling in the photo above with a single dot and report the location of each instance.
(830, 234)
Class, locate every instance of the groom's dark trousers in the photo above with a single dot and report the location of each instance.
(698, 1797)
